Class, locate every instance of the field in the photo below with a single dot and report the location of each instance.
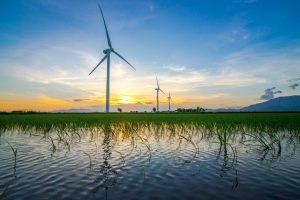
(274, 120)
(116, 155)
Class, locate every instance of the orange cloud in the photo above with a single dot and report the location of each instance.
(40, 104)
(44, 103)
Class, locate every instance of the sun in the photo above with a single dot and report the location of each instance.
(126, 100)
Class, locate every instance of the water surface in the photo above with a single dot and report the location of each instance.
(148, 161)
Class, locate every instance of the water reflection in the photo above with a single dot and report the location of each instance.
(132, 150)
(107, 173)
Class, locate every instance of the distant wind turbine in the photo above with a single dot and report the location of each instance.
(107, 56)
(157, 95)
(169, 99)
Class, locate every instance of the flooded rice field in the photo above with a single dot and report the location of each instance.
(126, 160)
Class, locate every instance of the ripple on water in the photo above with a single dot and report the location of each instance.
(156, 168)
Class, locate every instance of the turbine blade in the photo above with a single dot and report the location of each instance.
(123, 59)
(162, 91)
(157, 81)
(98, 64)
(107, 35)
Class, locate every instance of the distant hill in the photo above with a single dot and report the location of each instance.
(288, 103)
(223, 110)
(74, 111)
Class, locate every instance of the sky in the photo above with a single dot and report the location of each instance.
(207, 53)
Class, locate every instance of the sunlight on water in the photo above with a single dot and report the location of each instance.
(148, 161)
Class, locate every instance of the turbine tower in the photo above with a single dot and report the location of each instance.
(107, 53)
(169, 99)
(157, 95)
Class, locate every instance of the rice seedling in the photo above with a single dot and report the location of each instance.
(189, 139)
(218, 136)
(53, 147)
(15, 151)
(90, 165)
(146, 143)
(96, 147)
(5, 188)
(48, 122)
(268, 142)
(236, 180)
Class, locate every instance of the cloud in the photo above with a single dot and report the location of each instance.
(269, 93)
(175, 68)
(294, 86)
(61, 72)
(294, 80)
(268, 66)
(79, 100)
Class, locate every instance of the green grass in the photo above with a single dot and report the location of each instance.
(45, 122)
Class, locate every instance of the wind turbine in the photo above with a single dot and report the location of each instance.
(107, 53)
(157, 96)
(169, 99)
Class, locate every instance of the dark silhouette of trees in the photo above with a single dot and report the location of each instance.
(191, 110)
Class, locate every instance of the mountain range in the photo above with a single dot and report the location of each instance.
(287, 103)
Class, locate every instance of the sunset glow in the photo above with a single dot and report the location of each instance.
(211, 57)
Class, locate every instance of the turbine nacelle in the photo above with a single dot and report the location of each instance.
(107, 51)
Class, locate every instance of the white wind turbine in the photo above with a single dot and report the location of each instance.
(157, 96)
(107, 53)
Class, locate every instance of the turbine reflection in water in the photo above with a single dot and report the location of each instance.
(135, 158)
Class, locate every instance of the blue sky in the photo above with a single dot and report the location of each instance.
(208, 53)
